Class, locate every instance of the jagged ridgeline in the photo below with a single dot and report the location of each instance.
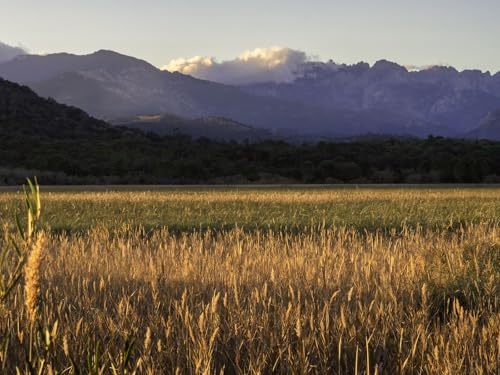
(321, 99)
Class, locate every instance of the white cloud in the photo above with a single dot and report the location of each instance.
(418, 68)
(8, 52)
(275, 64)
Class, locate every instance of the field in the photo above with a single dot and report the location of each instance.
(187, 209)
(255, 280)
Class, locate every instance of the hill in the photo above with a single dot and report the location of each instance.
(217, 128)
(24, 114)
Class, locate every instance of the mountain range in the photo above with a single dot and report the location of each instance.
(324, 99)
(440, 97)
(108, 85)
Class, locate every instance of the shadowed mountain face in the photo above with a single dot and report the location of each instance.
(105, 84)
(324, 99)
(25, 115)
(216, 128)
(109, 85)
(489, 127)
(442, 97)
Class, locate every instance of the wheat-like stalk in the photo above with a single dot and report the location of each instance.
(32, 275)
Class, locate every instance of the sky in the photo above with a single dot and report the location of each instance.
(461, 33)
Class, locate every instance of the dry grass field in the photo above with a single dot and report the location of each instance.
(254, 281)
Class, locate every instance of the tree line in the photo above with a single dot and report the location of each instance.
(128, 158)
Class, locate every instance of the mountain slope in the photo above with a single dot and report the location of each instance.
(24, 114)
(35, 68)
(440, 97)
(325, 99)
(105, 83)
(217, 128)
(109, 85)
(489, 127)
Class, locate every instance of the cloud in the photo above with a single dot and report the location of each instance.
(8, 52)
(275, 64)
(418, 68)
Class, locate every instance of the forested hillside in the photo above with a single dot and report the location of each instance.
(62, 144)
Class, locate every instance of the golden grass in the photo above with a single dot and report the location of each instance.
(32, 278)
(337, 301)
(269, 195)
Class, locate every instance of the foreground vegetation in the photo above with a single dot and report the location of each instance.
(116, 298)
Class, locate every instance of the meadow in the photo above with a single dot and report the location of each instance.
(253, 280)
(286, 208)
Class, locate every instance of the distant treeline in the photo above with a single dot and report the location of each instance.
(128, 157)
